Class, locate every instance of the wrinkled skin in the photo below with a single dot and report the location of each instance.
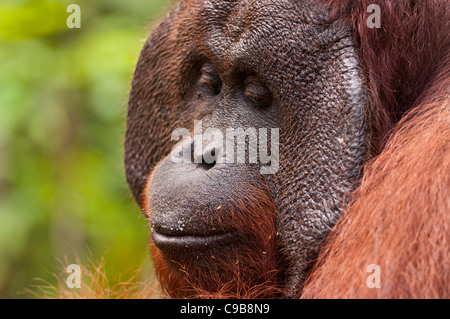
(206, 61)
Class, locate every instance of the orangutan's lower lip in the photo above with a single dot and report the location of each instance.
(163, 241)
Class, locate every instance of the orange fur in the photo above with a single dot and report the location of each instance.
(95, 284)
(399, 217)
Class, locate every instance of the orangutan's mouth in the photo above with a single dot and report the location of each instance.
(165, 241)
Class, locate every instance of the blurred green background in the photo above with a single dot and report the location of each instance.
(63, 99)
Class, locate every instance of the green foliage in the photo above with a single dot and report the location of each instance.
(63, 96)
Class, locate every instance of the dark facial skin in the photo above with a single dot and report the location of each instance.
(241, 64)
